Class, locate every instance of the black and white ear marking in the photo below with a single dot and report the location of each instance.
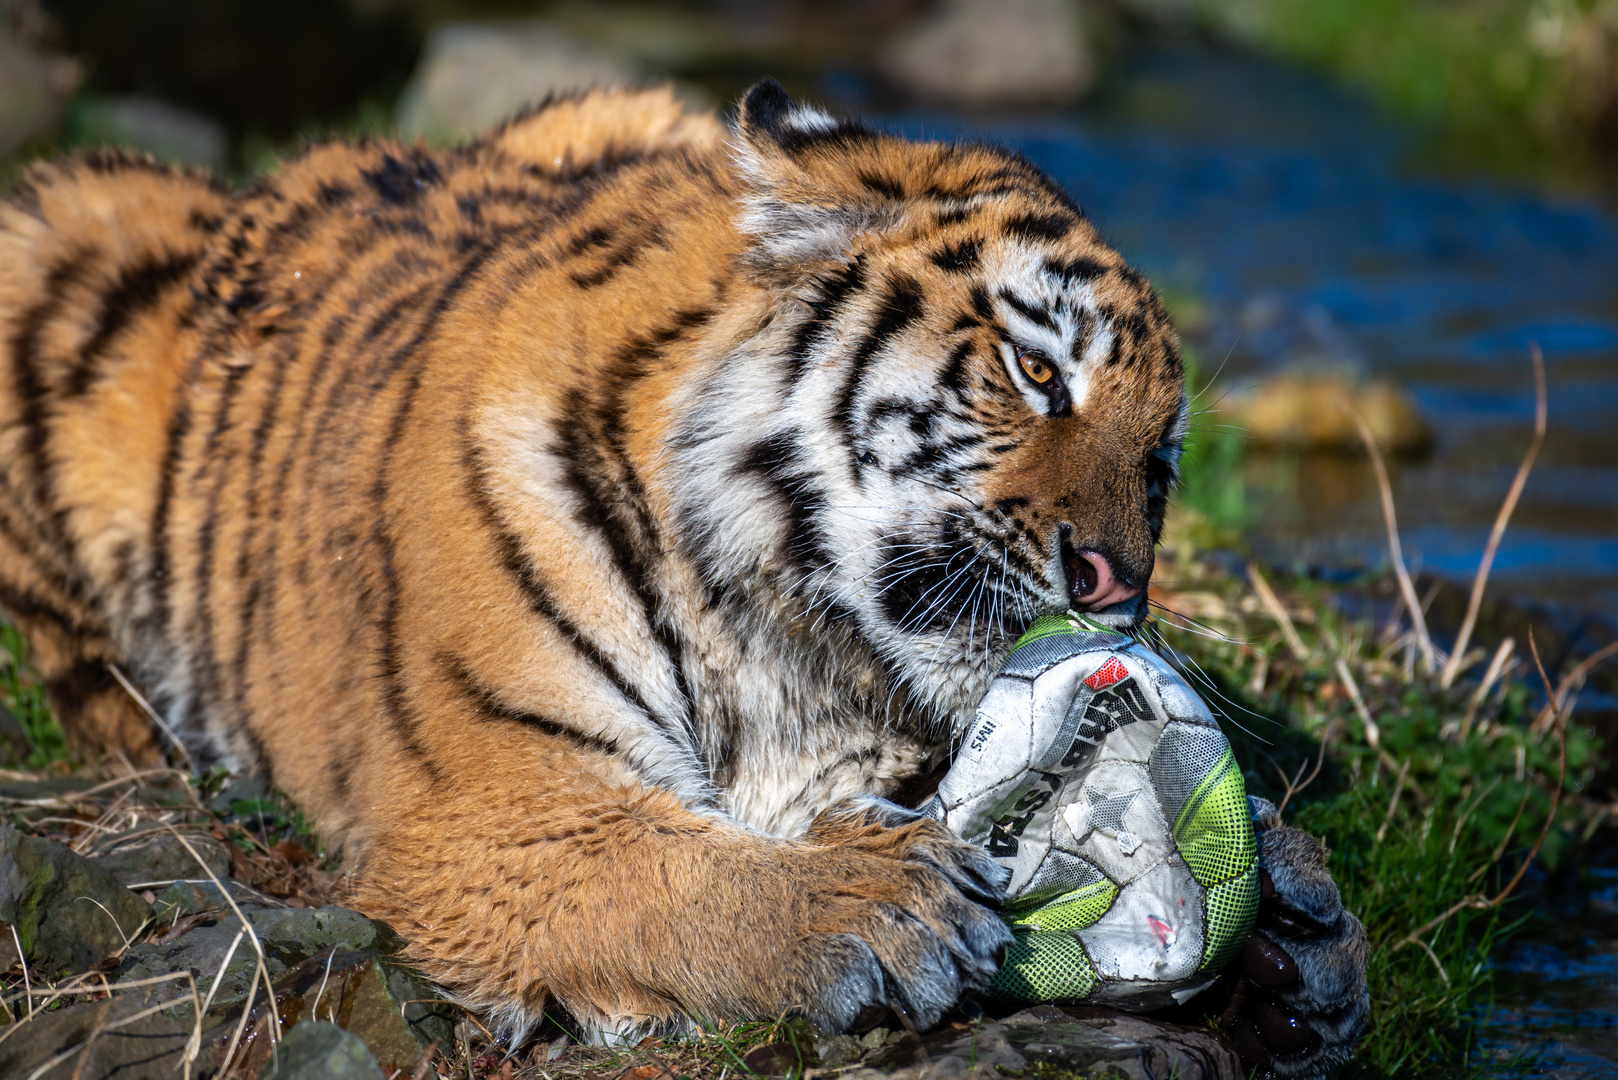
(767, 111)
(800, 212)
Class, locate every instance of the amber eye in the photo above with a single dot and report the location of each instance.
(1036, 368)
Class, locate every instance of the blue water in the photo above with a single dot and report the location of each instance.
(1290, 219)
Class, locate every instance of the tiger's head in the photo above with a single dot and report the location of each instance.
(958, 410)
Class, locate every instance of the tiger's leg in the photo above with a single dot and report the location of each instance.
(529, 874)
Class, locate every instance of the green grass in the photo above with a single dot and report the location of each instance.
(1506, 77)
(24, 698)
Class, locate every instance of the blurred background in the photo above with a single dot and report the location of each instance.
(1387, 203)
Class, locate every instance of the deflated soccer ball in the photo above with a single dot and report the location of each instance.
(1095, 774)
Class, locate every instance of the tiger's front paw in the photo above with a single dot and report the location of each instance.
(1302, 1001)
(899, 913)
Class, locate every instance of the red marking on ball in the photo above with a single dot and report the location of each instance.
(1107, 674)
(1160, 929)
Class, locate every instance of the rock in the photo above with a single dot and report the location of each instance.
(475, 75)
(1047, 1040)
(165, 130)
(152, 1046)
(988, 53)
(154, 859)
(385, 1005)
(69, 913)
(189, 897)
(288, 937)
(1309, 410)
(34, 83)
(322, 1051)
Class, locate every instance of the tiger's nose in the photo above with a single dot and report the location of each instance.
(1091, 582)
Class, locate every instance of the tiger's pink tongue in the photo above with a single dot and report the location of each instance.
(1092, 585)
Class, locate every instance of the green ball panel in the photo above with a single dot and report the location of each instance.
(1043, 967)
(1232, 908)
(1070, 911)
(1213, 832)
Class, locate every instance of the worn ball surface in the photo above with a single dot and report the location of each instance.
(1099, 778)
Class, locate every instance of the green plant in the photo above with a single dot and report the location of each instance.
(23, 696)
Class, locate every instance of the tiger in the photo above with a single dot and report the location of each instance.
(598, 528)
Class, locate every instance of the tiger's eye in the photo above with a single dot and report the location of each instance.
(1035, 368)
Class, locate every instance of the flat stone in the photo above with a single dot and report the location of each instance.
(288, 936)
(161, 128)
(1080, 1040)
(189, 897)
(991, 53)
(475, 75)
(69, 913)
(155, 859)
(152, 1046)
(322, 1051)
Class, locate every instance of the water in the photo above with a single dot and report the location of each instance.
(1291, 214)
(1556, 986)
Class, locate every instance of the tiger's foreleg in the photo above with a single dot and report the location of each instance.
(535, 880)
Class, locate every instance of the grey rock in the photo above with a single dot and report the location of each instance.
(987, 53)
(322, 1051)
(1045, 1038)
(147, 1048)
(191, 896)
(165, 130)
(154, 859)
(386, 1005)
(475, 75)
(68, 912)
(288, 937)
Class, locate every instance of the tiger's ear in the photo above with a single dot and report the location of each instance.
(808, 200)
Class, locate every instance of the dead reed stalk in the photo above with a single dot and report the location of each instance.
(1407, 588)
(1453, 667)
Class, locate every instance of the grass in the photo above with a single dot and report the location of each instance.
(1504, 77)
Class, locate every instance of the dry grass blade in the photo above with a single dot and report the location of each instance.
(1373, 733)
(1484, 903)
(1406, 587)
(1293, 786)
(146, 707)
(1393, 803)
(1453, 666)
(261, 969)
(1496, 667)
(1571, 682)
(1272, 604)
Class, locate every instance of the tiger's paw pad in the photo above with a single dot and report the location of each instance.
(1303, 1000)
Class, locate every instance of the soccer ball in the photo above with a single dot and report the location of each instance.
(1095, 774)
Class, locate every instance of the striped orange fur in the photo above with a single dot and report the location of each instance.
(589, 526)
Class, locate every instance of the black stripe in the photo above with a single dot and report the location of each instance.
(957, 258)
(514, 559)
(834, 292)
(1075, 271)
(1034, 227)
(138, 289)
(490, 706)
(899, 307)
(1036, 315)
(774, 460)
(29, 385)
